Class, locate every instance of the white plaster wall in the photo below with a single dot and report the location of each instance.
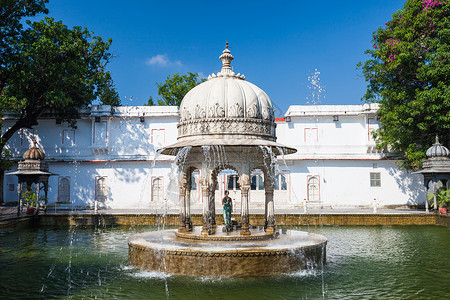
(341, 157)
(346, 183)
(129, 183)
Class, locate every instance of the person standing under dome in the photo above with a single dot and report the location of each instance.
(227, 204)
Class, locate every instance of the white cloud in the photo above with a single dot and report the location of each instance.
(162, 60)
(201, 75)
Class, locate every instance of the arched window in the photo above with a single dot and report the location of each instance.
(101, 189)
(313, 189)
(194, 181)
(257, 183)
(280, 182)
(233, 183)
(64, 190)
(157, 189)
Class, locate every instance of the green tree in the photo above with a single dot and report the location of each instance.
(11, 14)
(53, 69)
(109, 94)
(150, 102)
(175, 88)
(409, 74)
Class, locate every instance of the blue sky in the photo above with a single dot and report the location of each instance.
(276, 44)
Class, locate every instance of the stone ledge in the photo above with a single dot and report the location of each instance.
(255, 219)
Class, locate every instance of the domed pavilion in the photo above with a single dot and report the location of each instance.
(436, 169)
(32, 170)
(226, 123)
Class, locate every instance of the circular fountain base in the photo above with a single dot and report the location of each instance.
(286, 251)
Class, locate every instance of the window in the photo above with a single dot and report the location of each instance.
(280, 182)
(101, 189)
(64, 189)
(375, 179)
(193, 182)
(313, 189)
(233, 183)
(11, 187)
(68, 137)
(157, 189)
(372, 125)
(311, 136)
(257, 183)
(100, 137)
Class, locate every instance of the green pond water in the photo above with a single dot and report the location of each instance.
(408, 262)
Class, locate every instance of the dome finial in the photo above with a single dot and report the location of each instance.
(34, 152)
(226, 59)
(437, 151)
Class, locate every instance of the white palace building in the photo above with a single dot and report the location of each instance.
(111, 156)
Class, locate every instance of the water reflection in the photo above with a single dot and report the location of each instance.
(362, 263)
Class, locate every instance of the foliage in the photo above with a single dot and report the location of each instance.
(409, 74)
(109, 95)
(30, 198)
(175, 88)
(442, 197)
(6, 162)
(150, 102)
(11, 14)
(55, 69)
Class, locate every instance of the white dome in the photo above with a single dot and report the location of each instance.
(226, 111)
(226, 96)
(226, 107)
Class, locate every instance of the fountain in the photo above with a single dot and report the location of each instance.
(226, 123)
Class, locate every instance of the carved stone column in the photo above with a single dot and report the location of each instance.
(182, 199)
(46, 194)
(187, 201)
(20, 202)
(207, 226)
(212, 202)
(38, 188)
(270, 208)
(245, 187)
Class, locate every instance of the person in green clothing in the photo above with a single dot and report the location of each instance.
(227, 208)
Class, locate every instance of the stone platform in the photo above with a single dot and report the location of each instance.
(220, 234)
(288, 251)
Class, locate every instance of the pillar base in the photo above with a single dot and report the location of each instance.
(182, 229)
(270, 230)
(206, 232)
(189, 225)
(245, 231)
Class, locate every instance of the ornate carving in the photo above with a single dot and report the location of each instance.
(236, 111)
(204, 183)
(186, 114)
(33, 165)
(253, 111)
(266, 114)
(216, 111)
(189, 236)
(211, 126)
(244, 180)
(221, 254)
(199, 112)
